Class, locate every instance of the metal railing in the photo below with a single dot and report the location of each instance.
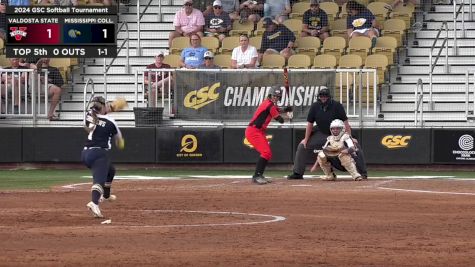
(86, 98)
(419, 103)
(432, 63)
(470, 94)
(139, 17)
(24, 94)
(127, 60)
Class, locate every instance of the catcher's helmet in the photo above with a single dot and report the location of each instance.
(275, 91)
(337, 124)
(324, 92)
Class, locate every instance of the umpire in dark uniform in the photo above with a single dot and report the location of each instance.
(322, 112)
(101, 129)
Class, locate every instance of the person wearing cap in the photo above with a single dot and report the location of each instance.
(209, 62)
(276, 39)
(231, 7)
(218, 22)
(158, 80)
(245, 55)
(277, 9)
(252, 10)
(315, 21)
(193, 56)
(187, 21)
(322, 113)
(361, 22)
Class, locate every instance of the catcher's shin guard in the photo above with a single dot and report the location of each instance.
(326, 167)
(96, 192)
(349, 164)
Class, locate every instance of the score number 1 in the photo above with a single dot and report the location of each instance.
(102, 51)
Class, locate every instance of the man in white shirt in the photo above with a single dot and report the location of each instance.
(245, 55)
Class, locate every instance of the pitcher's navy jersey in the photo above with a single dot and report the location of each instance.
(102, 131)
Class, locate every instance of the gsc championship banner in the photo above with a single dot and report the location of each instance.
(235, 95)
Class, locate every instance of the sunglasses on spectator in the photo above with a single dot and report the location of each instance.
(208, 58)
(217, 7)
(188, 4)
(314, 5)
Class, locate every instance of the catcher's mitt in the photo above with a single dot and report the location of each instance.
(118, 104)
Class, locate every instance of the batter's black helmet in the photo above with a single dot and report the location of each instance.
(324, 92)
(99, 99)
(275, 91)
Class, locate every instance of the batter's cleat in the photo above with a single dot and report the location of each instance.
(260, 180)
(359, 178)
(111, 198)
(294, 176)
(96, 212)
(364, 177)
(331, 178)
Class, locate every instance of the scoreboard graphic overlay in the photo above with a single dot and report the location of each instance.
(58, 31)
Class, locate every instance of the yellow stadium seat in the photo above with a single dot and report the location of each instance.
(178, 44)
(299, 61)
(324, 61)
(339, 29)
(386, 45)
(309, 45)
(380, 63)
(404, 12)
(273, 61)
(259, 28)
(298, 9)
(172, 60)
(350, 62)
(228, 44)
(256, 42)
(379, 10)
(359, 45)
(223, 60)
(242, 28)
(334, 45)
(395, 28)
(210, 42)
(294, 25)
(4, 62)
(343, 14)
(331, 9)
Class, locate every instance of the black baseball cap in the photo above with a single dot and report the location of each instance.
(324, 92)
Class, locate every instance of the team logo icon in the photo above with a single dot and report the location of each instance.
(18, 32)
(466, 142)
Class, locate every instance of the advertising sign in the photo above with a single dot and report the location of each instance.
(234, 95)
(181, 145)
(454, 146)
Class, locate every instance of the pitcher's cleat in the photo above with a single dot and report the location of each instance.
(96, 212)
(260, 180)
(111, 198)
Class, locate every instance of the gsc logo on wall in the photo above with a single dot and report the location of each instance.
(199, 98)
(189, 145)
(248, 144)
(396, 141)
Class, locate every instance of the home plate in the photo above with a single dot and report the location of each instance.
(107, 222)
(301, 185)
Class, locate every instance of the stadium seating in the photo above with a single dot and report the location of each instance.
(242, 28)
(299, 61)
(380, 63)
(273, 61)
(359, 45)
(294, 25)
(324, 61)
(210, 42)
(350, 62)
(395, 28)
(172, 60)
(308, 45)
(298, 9)
(339, 29)
(334, 45)
(228, 44)
(379, 10)
(403, 12)
(256, 42)
(178, 44)
(386, 45)
(331, 9)
(223, 60)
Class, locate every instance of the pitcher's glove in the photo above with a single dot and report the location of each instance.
(118, 104)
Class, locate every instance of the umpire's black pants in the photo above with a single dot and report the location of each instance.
(316, 142)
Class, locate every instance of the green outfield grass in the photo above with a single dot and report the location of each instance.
(43, 179)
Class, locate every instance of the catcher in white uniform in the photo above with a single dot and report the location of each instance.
(337, 153)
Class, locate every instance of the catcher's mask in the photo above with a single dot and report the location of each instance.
(337, 124)
(98, 102)
(275, 91)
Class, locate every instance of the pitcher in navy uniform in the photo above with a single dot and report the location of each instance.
(101, 129)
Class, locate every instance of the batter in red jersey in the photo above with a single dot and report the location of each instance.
(256, 131)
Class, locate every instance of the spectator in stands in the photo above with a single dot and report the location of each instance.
(315, 21)
(397, 3)
(245, 55)
(209, 62)
(277, 9)
(157, 81)
(13, 81)
(251, 10)
(3, 19)
(192, 57)
(218, 23)
(231, 7)
(19, 2)
(361, 22)
(276, 39)
(54, 83)
(187, 21)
